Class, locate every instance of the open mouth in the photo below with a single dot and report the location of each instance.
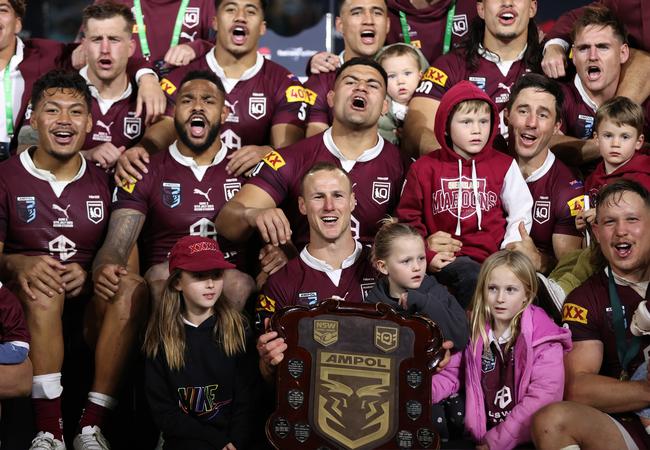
(329, 220)
(197, 126)
(528, 138)
(63, 137)
(623, 250)
(506, 18)
(239, 34)
(368, 37)
(358, 102)
(593, 72)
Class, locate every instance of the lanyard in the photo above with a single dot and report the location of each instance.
(9, 101)
(142, 32)
(625, 352)
(446, 46)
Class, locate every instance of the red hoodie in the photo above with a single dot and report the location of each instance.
(637, 169)
(494, 195)
(427, 25)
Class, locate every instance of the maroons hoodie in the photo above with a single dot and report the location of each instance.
(637, 168)
(480, 200)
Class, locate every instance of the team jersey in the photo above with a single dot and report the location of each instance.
(114, 121)
(265, 95)
(179, 198)
(42, 216)
(306, 281)
(557, 199)
(491, 76)
(377, 177)
(316, 87)
(498, 382)
(13, 327)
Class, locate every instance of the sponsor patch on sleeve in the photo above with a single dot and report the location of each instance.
(274, 159)
(300, 94)
(167, 86)
(265, 303)
(574, 313)
(436, 75)
(128, 186)
(576, 205)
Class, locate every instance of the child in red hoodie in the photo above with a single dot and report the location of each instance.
(466, 189)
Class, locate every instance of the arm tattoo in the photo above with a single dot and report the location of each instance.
(123, 231)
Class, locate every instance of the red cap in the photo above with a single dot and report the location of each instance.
(197, 254)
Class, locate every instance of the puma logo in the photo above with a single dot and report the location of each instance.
(505, 86)
(231, 106)
(64, 211)
(204, 194)
(104, 126)
(190, 37)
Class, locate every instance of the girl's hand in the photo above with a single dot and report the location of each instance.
(440, 261)
(403, 300)
(229, 446)
(482, 447)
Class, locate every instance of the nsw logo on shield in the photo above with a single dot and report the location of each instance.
(26, 207)
(171, 194)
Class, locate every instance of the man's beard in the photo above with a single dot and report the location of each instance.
(197, 149)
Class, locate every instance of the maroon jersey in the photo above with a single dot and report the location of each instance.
(376, 176)
(451, 68)
(426, 26)
(637, 169)
(317, 86)
(178, 201)
(266, 95)
(13, 327)
(498, 382)
(40, 216)
(557, 196)
(116, 122)
(306, 281)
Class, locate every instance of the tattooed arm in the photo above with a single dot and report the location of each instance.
(112, 258)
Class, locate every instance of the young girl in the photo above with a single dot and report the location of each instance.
(398, 253)
(514, 362)
(199, 376)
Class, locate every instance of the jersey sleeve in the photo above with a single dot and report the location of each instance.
(581, 314)
(291, 102)
(272, 297)
(13, 328)
(317, 88)
(571, 194)
(274, 176)
(439, 77)
(134, 195)
(518, 204)
(170, 84)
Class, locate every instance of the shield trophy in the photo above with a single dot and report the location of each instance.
(354, 377)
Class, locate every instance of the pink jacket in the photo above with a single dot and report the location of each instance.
(539, 380)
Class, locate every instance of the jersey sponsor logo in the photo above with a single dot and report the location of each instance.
(203, 205)
(366, 288)
(232, 114)
(503, 397)
(574, 313)
(436, 75)
(274, 159)
(63, 221)
(128, 185)
(171, 194)
(192, 16)
(460, 25)
(188, 36)
(26, 207)
(257, 106)
(167, 86)
(231, 140)
(326, 332)
(380, 191)
(230, 188)
(355, 226)
(504, 96)
(265, 303)
(62, 247)
(132, 127)
(308, 298)
(300, 94)
(204, 228)
(446, 198)
(95, 210)
(424, 87)
(576, 205)
(103, 135)
(576, 184)
(587, 126)
(542, 211)
(479, 82)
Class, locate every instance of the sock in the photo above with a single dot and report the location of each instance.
(97, 409)
(571, 447)
(47, 415)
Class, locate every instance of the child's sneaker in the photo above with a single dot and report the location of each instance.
(46, 441)
(90, 438)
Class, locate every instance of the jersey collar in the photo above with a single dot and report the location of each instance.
(543, 169)
(348, 164)
(577, 82)
(230, 83)
(188, 161)
(45, 175)
(640, 287)
(333, 274)
(104, 104)
(20, 54)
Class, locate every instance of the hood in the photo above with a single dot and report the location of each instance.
(460, 92)
(424, 64)
(430, 13)
(541, 328)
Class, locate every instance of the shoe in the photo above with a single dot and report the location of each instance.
(46, 441)
(550, 296)
(90, 438)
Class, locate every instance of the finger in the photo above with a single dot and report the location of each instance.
(25, 287)
(54, 264)
(522, 231)
(51, 279)
(75, 292)
(138, 106)
(104, 292)
(267, 324)
(268, 336)
(282, 228)
(38, 285)
(111, 278)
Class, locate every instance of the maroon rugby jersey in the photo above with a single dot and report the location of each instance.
(556, 196)
(303, 281)
(266, 95)
(451, 68)
(426, 26)
(13, 327)
(376, 176)
(178, 203)
(34, 220)
(317, 86)
(498, 382)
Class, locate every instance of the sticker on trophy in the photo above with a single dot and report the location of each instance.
(301, 432)
(296, 367)
(281, 427)
(414, 378)
(413, 409)
(425, 437)
(296, 398)
(405, 439)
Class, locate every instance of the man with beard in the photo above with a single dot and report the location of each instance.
(501, 46)
(182, 191)
(52, 221)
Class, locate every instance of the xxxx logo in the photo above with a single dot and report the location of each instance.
(274, 160)
(574, 313)
(436, 75)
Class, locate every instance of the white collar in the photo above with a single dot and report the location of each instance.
(322, 266)
(577, 82)
(104, 103)
(19, 55)
(187, 322)
(496, 59)
(505, 337)
(46, 175)
(188, 161)
(230, 83)
(640, 287)
(543, 169)
(348, 164)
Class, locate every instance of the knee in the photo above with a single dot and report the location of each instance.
(157, 273)
(238, 287)
(42, 305)
(551, 421)
(132, 299)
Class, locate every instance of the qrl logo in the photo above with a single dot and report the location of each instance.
(380, 192)
(231, 188)
(257, 107)
(132, 127)
(95, 210)
(191, 18)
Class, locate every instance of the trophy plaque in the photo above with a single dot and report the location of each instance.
(354, 377)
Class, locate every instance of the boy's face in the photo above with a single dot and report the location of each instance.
(470, 131)
(617, 143)
(403, 77)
